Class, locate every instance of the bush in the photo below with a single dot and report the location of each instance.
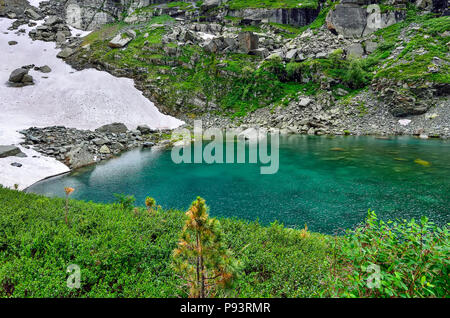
(412, 260)
(129, 254)
(355, 75)
(294, 72)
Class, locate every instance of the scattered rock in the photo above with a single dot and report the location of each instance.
(19, 77)
(116, 128)
(144, 129)
(104, 150)
(32, 14)
(43, 69)
(65, 53)
(355, 50)
(16, 164)
(248, 41)
(9, 151)
(305, 102)
(122, 39)
(12, 42)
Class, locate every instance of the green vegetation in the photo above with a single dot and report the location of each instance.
(429, 38)
(124, 251)
(202, 258)
(412, 260)
(128, 253)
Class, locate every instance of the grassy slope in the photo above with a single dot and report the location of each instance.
(122, 254)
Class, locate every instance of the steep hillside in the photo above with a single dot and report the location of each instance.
(354, 66)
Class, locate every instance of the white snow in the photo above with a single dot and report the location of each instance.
(404, 122)
(35, 3)
(80, 99)
(206, 36)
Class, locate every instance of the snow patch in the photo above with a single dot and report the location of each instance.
(404, 122)
(79, 99)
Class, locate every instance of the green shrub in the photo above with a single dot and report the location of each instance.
(129, 254)
(412, 258)
(293, 71)
(126, 202)
(355, 75)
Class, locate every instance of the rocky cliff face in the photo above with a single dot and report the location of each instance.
(357, 18)
(294, 16)
(89, 14)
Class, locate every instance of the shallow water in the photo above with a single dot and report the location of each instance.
(328, 189)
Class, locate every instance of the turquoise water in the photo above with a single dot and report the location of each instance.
(328, 189)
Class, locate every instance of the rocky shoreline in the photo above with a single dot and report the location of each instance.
(78, 148)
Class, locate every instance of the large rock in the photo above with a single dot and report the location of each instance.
(17, 75)
(248, 41)
(209, 4)
(65, 53)
(144, 129)
(43, 69)
(32, 14)
(355, 50)
(353, 18)
(52, 20)
(8, 151)
(79, 157)
(116, 128)
(122, 39)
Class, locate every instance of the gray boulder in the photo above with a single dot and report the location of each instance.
(17, 75)
(8, 151)
(355, 50)
(122, 39)
(144, 129)
(209, 4)
(43, 69)
(52, 20)
(370, 46)
(248, 41)
(79, 157)
(352, 18)
(65, 53)
(32, 14)
(116, 128)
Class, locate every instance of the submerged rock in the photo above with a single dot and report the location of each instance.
(422, 162)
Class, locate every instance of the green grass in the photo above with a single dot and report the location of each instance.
(126, 254)
(408, 66)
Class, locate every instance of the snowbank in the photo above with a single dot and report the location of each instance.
(86, 100)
